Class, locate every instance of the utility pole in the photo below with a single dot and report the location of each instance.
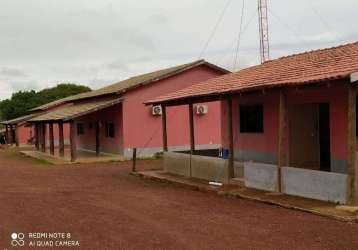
(263, 30)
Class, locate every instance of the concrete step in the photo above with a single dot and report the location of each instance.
(238, 181)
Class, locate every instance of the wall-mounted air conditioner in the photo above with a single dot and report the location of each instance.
(157, 110)
(202, 109)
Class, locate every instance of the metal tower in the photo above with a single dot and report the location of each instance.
(263, 29)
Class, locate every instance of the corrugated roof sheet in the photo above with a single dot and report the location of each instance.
(19, 119)
(76, 110)
(305, 68)
(133, 82)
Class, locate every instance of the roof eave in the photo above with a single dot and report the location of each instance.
(220, 95)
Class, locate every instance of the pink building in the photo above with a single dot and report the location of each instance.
(114, 120)
(20, 132)
(289, 125)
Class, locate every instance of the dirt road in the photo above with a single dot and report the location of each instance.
(103, 207)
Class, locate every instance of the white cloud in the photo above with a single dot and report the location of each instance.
(5, 90)
(98, 42)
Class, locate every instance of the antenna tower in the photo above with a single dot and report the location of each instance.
(263, 29)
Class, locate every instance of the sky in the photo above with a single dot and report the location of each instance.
(99, 42)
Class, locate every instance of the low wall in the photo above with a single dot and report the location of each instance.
(314, 184)
(201, 167)
(208, 168)
(177, 163)
(151, 151)
(261, 176)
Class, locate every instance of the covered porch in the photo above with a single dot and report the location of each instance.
(12, 129)
(82, 156)
(69, 116)
(305, 145)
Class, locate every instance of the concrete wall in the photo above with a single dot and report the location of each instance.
(201, 167)
(261, 176)
(313, 184)
(150, 152)
(209, 168)
(177, 163)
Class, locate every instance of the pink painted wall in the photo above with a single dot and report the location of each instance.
(66, 133)
(142, 129)
(24, 134)
(265, 144)
(88, 139)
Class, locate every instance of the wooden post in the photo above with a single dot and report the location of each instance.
(351, 144)
(231, 140)
(11, 137)
(36, 130)
(40, 135)
(61, 141)
(191, 126)
(97, 139)
(52, 139)
(282, 136)
(43, 137)
(7, 137)
(164, 127)
(16, 135)
(134, 159)
(73, 141)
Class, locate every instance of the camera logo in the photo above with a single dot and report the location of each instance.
(17, 239)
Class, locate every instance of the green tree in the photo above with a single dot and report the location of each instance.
(21, 102)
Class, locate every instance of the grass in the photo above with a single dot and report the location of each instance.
(15, 153)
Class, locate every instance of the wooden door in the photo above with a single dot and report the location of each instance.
(304, 136)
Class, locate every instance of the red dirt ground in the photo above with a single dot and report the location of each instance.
(104, 207)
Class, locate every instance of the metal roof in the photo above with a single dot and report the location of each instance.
(70, 112)
(20, 119)
(133, 82)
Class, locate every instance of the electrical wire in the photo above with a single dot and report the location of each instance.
(155, 131)
(239, 36)
(232, 47)
(285, 25)
(215, 28)
(322, 20)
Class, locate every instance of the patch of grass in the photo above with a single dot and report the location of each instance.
(15, 153)
(43, 162)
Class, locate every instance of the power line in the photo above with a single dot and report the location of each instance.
(215, 28)
(285, 25)
(323, 21)
(233, 44)
(239, 35)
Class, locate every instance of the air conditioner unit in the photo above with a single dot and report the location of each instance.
(202, 109)
(157, 110)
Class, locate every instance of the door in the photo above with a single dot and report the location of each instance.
(304, 137)
(324, 137)
(97, 131)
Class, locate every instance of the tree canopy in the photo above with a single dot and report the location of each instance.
(21, 102)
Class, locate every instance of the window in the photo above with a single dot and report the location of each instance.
(80, 129)
(110, 130)
(251, 119)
